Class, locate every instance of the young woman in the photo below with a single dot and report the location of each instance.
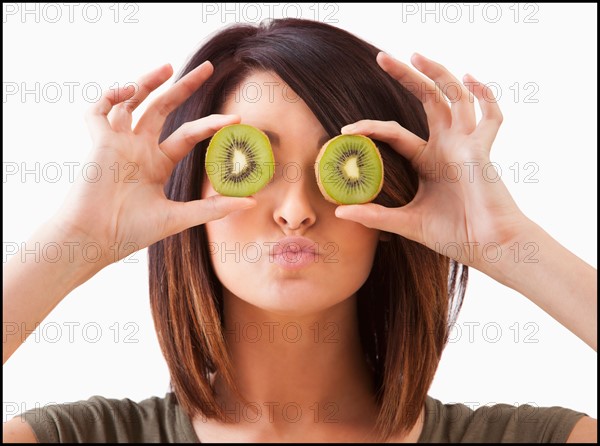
(359, 316)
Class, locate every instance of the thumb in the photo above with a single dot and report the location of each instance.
(193, 213)
(400, 221)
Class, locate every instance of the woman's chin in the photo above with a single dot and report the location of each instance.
(291, 300)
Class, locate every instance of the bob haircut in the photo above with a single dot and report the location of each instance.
(412, 296)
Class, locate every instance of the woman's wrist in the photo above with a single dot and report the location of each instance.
(505, 260)
(66, 250)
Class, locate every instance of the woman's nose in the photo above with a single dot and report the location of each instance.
(294, 209)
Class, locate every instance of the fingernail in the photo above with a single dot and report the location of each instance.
(339, 211)
(349, 128)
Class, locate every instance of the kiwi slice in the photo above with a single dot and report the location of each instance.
(239, 160)
(349, 170)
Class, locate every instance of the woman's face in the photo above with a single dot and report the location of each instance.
(250, 253)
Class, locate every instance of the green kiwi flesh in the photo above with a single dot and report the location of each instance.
(239, 160)
(349, 170)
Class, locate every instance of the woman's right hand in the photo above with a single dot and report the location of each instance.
(124, 208)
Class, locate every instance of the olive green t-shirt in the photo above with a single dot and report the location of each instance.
(162, 420)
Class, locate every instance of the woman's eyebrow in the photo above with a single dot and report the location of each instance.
(275, 140)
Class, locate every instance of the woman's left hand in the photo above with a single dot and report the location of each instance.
(462, 209)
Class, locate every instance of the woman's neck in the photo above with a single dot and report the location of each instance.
(311, 364)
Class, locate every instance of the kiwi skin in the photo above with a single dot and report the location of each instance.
(320, 155)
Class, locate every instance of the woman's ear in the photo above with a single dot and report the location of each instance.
(385, 236)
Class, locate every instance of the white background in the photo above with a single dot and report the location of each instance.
(545, 53)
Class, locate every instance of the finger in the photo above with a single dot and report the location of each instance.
(403, 141)
(96, 117)
(182, 140)
(403, 221)
(491, 116)
(184, 215)
(154, 118)
(462, 109)
(438, 111)
(147, 84)
(120, 116)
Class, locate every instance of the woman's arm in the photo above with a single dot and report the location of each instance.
(470, 210)
(585, 431)
(33, 285)
(103, 221)
(468, 213)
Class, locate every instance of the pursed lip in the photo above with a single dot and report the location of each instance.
(295, 244)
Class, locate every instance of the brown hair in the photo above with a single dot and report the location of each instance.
(412, 295)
